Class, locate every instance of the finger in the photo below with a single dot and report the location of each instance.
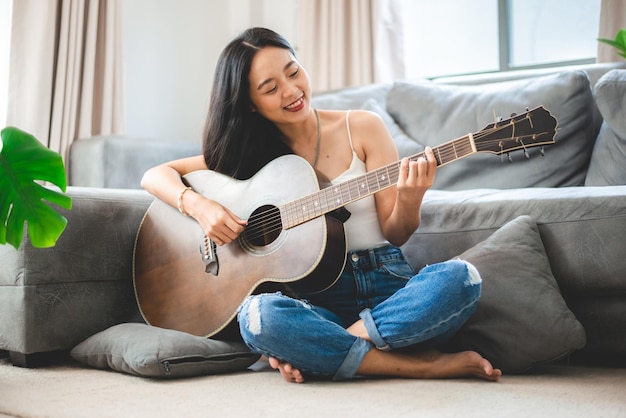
(432, 160)
(422, 167)
(404, 168)
(222, 235)
(237, 219)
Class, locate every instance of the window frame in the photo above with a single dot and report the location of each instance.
(504, 45)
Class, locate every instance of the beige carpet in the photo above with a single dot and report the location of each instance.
(69, 390)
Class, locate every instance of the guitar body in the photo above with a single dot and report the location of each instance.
(172, 286)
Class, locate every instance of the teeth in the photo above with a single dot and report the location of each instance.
(295, 104)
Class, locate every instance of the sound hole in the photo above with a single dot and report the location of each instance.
(264, 226)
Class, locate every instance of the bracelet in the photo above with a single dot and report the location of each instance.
(181, 209)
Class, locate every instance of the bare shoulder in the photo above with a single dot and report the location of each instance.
(357, 117)
(365, 117)
(362, 123)
(371, 137)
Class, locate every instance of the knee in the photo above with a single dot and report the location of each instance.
(260, 315)
(471, 274)
(460, 277)
(252, 310)
(468, 279)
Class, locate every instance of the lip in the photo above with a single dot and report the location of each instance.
(296, 105)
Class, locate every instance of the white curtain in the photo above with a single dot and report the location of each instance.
(65, 76)
(345, 43)
(336, 42)
(612, 19)
(389, 59)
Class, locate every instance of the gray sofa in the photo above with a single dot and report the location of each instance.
(52, 299)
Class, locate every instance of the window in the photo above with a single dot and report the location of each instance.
(5, 48)
(543, 32)
(451, 37)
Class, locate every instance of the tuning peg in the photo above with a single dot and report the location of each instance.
(542, 151)
(526, 154)
(508, 157)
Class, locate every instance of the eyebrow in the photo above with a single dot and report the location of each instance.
(260, 86)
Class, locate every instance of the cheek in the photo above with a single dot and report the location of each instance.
(266, 104)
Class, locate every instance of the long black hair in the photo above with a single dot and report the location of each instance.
(236, 141)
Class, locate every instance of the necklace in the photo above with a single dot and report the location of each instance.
(319, 137)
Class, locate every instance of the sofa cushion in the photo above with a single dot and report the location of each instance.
(351, 97)
(521, 319)
(434, 113)
(119, 162)
(609, 154)
(406, 145)
(149, 351)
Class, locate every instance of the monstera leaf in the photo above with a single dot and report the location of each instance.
(23, 160)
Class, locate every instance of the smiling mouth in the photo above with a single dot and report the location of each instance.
(295, 104)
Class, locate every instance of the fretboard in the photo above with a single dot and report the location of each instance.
(339, 195)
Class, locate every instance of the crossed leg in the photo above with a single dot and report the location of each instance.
(430, 364)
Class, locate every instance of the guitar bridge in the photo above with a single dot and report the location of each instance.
(209, 256)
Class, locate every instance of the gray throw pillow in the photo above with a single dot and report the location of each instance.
(149, 351)
(608, 161)
(406, 145)
(434, 113)
(521, 319)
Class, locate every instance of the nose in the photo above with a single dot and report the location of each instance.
(292, 90)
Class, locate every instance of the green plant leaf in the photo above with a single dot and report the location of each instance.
(23, 161)
(609, 42)
(619, 43)
(620, 38)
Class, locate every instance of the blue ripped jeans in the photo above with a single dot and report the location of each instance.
(399, 308)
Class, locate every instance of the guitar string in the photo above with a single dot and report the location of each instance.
(270, 220)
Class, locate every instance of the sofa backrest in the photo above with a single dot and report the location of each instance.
(421, 113)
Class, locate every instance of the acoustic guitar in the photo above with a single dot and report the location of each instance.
(294, 238)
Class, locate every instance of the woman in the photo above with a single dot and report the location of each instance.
(380, 318)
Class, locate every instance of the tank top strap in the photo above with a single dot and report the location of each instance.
(348, 128)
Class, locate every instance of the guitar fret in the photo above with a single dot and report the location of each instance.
(372, 182)
(363, 186)
(337, 196)
(345, 192)
(328, 193)
(354, 188)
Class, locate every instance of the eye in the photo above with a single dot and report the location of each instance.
(295, 73)
(272, 90)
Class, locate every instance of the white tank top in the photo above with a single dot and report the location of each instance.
(362, 228)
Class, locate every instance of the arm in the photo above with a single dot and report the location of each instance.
(165, 182)
(398, 207)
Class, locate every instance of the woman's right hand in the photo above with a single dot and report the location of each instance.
(164, 181)
(218, 223)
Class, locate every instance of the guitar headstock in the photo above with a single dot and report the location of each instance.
(533, 128)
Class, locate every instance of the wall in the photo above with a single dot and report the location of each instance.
(170, 52)
(5, 44)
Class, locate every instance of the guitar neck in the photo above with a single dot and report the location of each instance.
(339, 195)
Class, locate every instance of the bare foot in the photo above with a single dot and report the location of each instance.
(422, 365)
(287, 371)
(428, 365)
